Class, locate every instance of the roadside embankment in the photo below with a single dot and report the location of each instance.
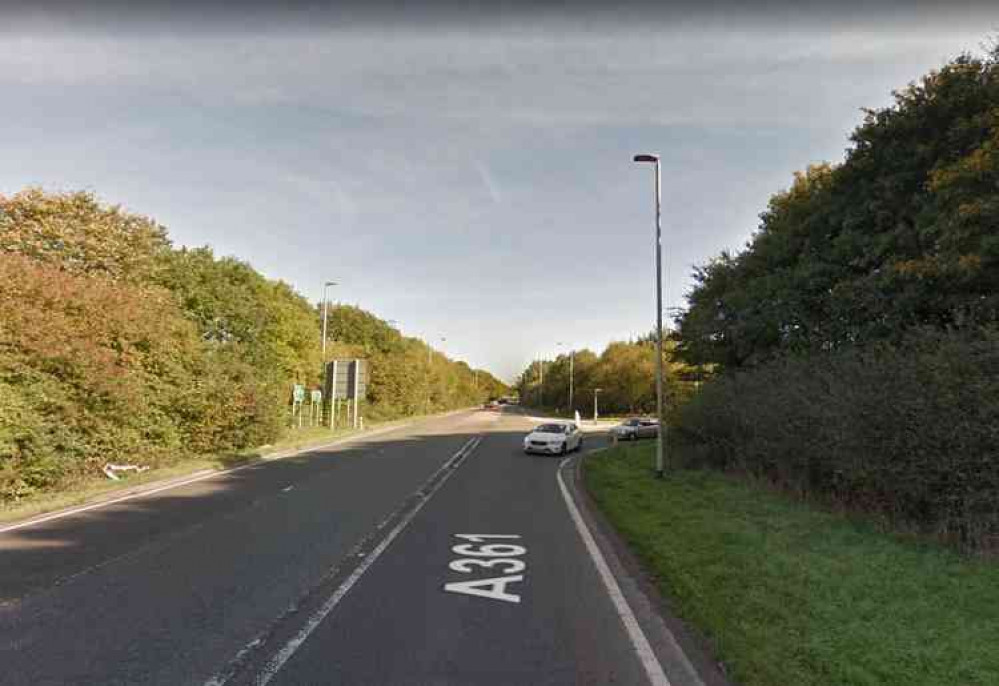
(790, 594)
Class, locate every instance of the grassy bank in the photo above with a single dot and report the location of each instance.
(95, 487)
(792, 596)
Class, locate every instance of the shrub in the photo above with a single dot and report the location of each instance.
(910, 430)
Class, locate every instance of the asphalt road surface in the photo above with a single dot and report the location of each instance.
(437, 553)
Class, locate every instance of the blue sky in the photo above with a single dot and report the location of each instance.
(470, 181)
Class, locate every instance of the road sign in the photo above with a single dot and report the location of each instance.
(347, 379)
(298, 393)
(317, 397)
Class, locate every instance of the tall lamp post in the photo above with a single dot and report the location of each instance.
(572, 355)
(332, 394)
(326, 307)
(654, 160)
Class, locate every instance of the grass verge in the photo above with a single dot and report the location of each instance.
(98, 488)
(793, 596)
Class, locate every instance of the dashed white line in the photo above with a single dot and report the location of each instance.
(199, 476)
(274, 665)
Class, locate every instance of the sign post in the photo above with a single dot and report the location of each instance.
(346, 380)
(297, 398)
(331, 392)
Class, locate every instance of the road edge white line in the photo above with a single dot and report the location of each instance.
(199, 476)
(274, 665)
(653, 670)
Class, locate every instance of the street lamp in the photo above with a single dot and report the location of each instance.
(572, 355)
(654, 160)
(596, 415)
(326, 304)
(326, 307)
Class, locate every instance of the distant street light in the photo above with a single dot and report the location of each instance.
(654, 160)
(326, 304)
(331, 391)
(596, 415)
(572, 355)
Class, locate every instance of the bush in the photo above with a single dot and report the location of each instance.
(910, 430)
(93, 370)
(116, 347)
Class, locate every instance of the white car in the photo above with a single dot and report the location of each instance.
(554, 439)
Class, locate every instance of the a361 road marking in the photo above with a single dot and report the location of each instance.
(491, 558)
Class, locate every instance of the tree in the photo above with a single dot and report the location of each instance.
(899, 236)
(81, 236)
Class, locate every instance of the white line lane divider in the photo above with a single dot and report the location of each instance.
(653, 670)
(430, 487)
(198, 476)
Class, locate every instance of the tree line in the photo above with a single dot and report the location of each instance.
(117, 346)
(857, 331)
(850, 350)
(622, 377)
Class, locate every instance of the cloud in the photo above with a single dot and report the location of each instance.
(429, 168)
(495, 192)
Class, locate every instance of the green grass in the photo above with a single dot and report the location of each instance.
(794, 596)
(97, 487)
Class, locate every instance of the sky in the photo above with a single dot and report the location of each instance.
(463, 170)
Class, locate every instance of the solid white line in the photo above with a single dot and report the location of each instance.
(282, 656)
(653, 670)
(199, 476)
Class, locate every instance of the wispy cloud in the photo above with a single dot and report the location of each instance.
(411, 160)
(495, 192)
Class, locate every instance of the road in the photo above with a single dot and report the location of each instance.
(339, 566)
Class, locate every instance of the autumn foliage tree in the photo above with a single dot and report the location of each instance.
(117, 347)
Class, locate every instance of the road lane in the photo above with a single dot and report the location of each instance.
(165, 589)
(399, 626)
(348, 566)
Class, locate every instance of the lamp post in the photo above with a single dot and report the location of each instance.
(654, 160)
(572, 355)
(326, 307)
(331, 392)
(596, 415)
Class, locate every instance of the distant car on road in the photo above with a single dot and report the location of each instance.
(554, 439)
(635, 428)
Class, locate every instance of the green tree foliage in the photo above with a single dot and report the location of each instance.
(91, 372)
(115, 347)
(857, 330)
(79, 235)
(625, 372)
(906, 430)
(264, 322)
(901, 235)
(407, 377)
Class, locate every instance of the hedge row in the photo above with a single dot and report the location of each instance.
(908, 430)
